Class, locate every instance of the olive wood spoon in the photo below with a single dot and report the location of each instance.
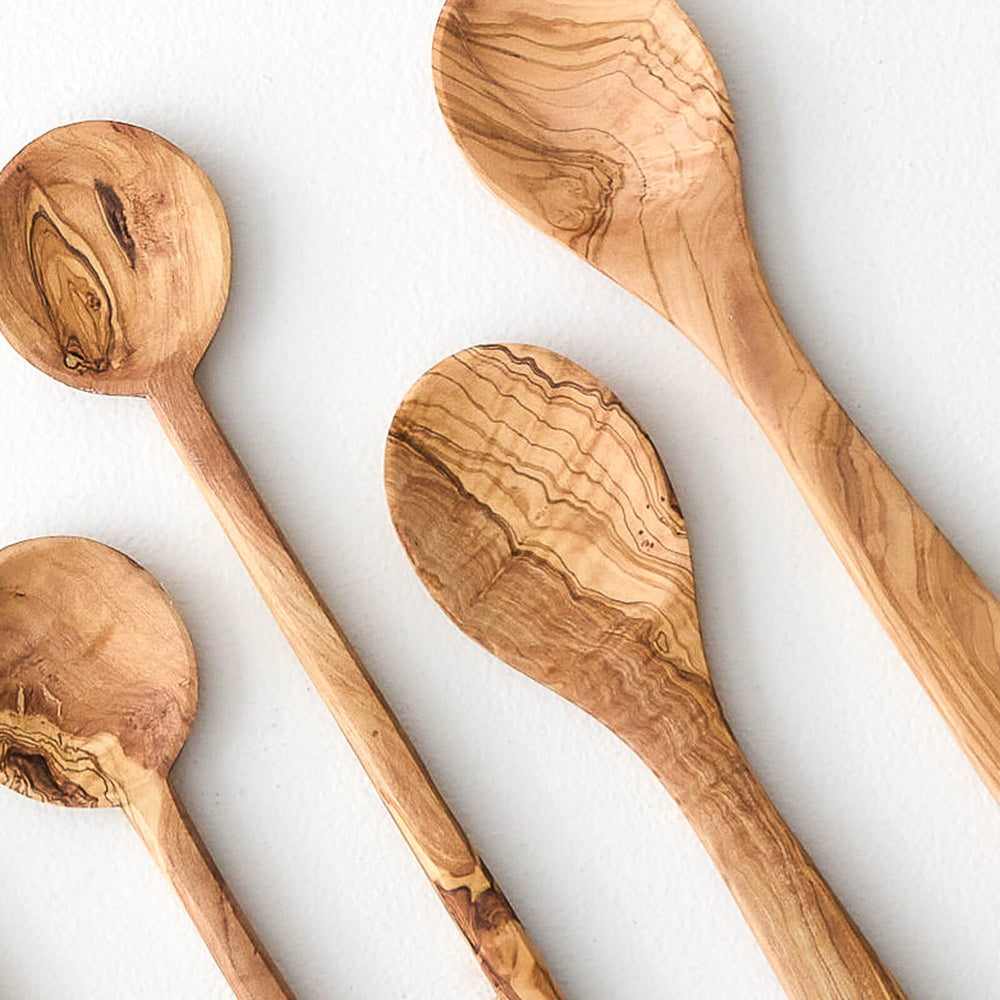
(606, 124)
(537, 513)
(114, 273)
(98, 687)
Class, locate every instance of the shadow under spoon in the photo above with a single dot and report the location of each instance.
(114, 274)
(606, 124)
(98, 688)
(537, 513)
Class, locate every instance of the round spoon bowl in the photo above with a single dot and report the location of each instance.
(114, 257)
(98, 682)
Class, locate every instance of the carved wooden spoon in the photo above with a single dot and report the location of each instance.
(114, 273)
(607, 125)
(98, 688)
(538, 515)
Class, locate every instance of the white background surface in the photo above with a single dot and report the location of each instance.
(365, 251)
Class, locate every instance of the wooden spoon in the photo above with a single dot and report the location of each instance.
(98, 687)
(607, 125)
(114, 273)
(538, 515)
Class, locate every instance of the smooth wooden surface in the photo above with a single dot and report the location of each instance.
(117, 287)
(537, 513)
(98, 689)
(166, 829)
(608, 126)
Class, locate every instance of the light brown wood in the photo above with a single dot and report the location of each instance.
(98, 689)
(538, 515)
(114, 270)
(606, 124)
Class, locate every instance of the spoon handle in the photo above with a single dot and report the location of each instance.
(168, 833)
(811, 942)
(941, 616)
(503, 948)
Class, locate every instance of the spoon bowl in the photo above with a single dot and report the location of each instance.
(576, 556)
(81, 672)
(607, 126)
(114, 257)
(98, 688)
(538, 515)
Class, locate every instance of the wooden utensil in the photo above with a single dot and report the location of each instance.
(114, 273)
(538, 515)
(98, 688)
(606, 124)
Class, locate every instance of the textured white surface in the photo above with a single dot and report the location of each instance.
(365, 251)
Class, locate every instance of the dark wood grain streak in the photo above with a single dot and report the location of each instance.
(114, 213)
(607, 125)
(538, 515)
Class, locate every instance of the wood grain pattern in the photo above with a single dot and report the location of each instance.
(538, 515)
(607, 125)
(100, 224)
(97, 694)
(114, 270)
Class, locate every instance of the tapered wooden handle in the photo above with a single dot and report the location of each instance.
(941, 616)
(502, 946)
(939, 613)
(171, 838)
(814, 947)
